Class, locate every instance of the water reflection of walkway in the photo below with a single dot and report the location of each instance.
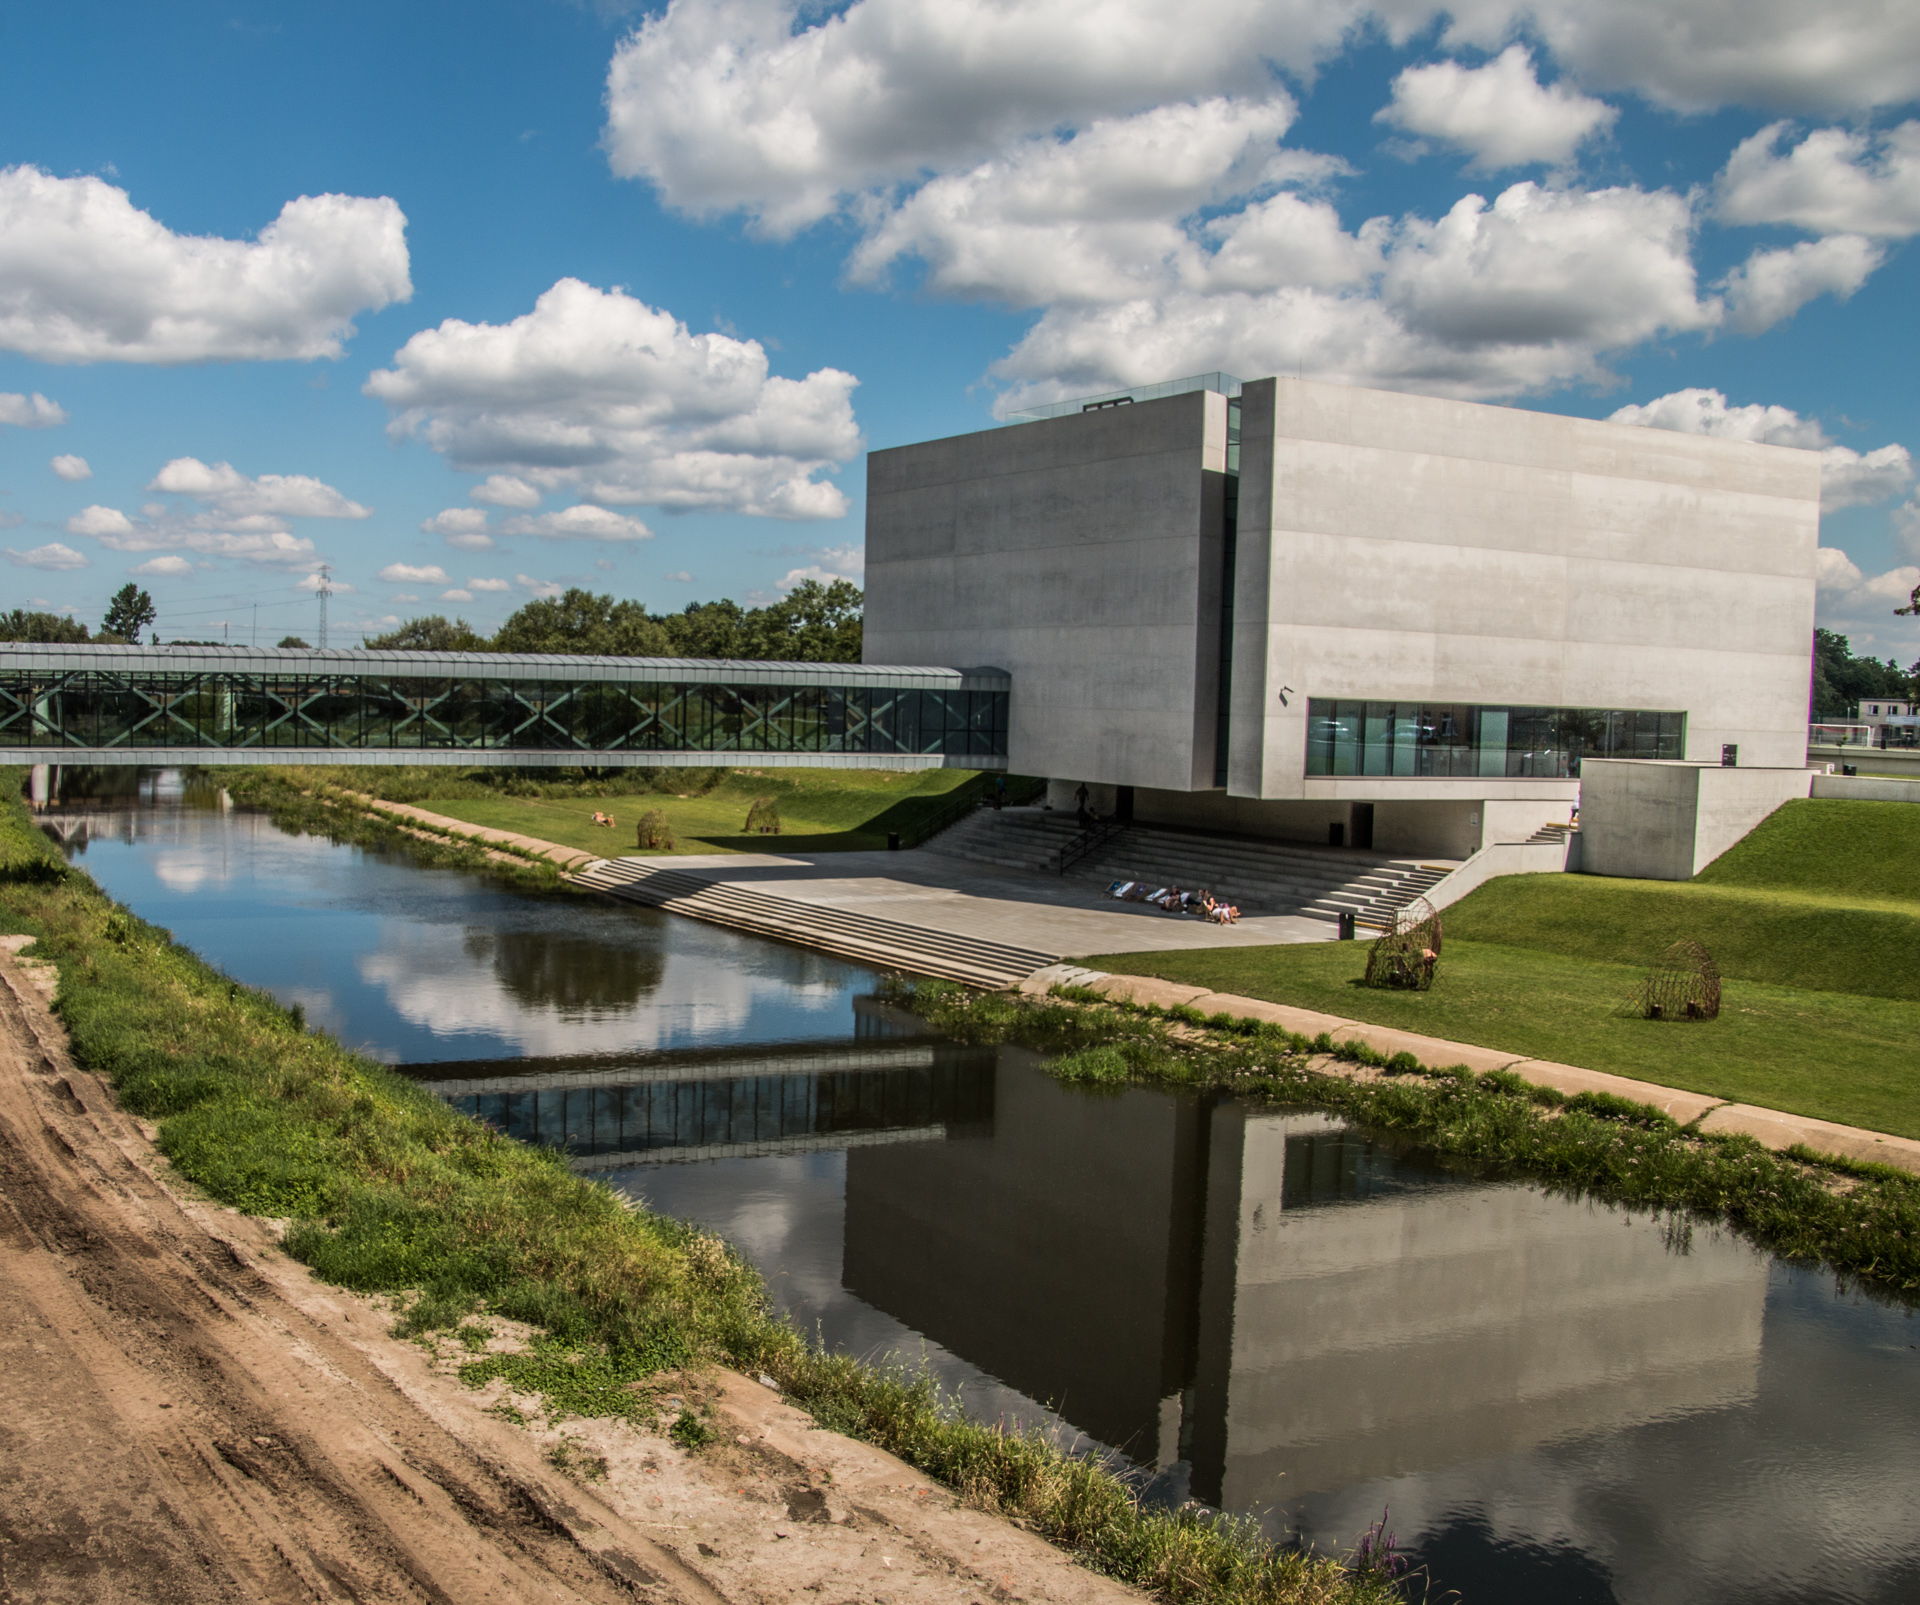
(610, 1112)
(1263, 1304)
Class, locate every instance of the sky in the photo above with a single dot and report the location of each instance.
(469, 303)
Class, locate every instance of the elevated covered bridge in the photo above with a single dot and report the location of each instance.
(240, 705)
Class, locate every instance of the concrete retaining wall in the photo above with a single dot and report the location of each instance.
(1495, 860)
(1668, 821)
(1866, 788)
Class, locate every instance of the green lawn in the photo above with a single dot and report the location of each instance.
(821, 810)
(1828, 1054)
(1813, 919)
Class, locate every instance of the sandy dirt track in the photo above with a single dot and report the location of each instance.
(185, 1415)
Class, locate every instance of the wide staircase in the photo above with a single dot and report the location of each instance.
(1259, 877)
(887, 944)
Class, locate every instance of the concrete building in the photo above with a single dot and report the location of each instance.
(1312, 612)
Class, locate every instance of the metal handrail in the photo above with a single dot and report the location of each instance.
(1089, 840)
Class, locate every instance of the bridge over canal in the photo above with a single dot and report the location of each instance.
(238, 705)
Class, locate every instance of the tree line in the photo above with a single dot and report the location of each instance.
(813, 623)
(1841, 682)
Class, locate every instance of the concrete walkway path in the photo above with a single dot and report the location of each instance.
(1771, 1127)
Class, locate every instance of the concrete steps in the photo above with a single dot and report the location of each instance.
(885, 944)
(1261, 877)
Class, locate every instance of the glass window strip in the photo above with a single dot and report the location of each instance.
(1449, 740)
(238, 711)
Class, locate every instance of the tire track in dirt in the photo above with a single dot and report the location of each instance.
(175, 1430)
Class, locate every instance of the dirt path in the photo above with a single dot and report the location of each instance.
(186, 1416)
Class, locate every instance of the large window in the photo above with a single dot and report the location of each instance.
(1467, 741)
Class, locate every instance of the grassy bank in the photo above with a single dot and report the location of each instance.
(389, 1191)
(1832, 1055)
(1813, 919)
(1861, 1220)
(821, 810)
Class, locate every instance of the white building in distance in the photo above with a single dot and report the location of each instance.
(1286, 606)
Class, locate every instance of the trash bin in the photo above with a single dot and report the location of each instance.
(1346, 927)
(893, 841)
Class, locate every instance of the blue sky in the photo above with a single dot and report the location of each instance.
(469, 302)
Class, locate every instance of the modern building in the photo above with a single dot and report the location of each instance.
(1308, 611)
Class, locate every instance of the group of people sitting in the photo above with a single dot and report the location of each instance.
(603, 819)
(1202, 904)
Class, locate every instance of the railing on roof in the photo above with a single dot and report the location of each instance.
(1222, 383)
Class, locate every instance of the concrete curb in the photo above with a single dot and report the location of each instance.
(566, 857)
(1770, 1127)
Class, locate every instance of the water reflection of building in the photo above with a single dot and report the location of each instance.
(1270, 1305)
(613, 1111)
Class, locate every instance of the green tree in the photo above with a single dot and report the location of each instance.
(430, 634)
(294, 641)
(1841, 681)
(51, 629)
(813, 623)
(709, 630)
(130, 612)
(581, 621)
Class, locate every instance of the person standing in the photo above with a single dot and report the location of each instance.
(1080, 797)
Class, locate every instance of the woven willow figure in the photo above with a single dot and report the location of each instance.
(655, 832)
(1406, 956)
(1684, 985)
(763, 818)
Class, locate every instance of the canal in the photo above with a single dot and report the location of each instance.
(1261, 1308)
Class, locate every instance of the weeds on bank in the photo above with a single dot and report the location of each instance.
(1862, 1220)
(302, 805)
(391, 1191)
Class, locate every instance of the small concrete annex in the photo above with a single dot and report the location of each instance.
(1308, 611)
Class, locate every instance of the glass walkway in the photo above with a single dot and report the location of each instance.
(219, 705)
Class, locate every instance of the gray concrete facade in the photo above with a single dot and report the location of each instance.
(1390, 548)
(1082, 553)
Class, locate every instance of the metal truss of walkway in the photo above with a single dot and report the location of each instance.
(677, 1108)
(216, 705)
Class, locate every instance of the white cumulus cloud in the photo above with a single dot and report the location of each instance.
(503, 490)
(582, 522)
(71, 468)
(1848, 478)
(1500, 113)
(597, 392)
(169, 565)
(456, 595)
(1770, 286)
(1833, 570)
(336, 587)
(679, 577)
(1834, 181)
(465, 528)
(487, 585)
(86, 276)
(151, 533)
(1527, 292)
(543, 588)
(412, 574)
(786, 111)
(30, 412)
(234, 501)
(99, 521)
(53, 555)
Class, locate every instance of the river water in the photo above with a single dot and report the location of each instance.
(1556, 1400)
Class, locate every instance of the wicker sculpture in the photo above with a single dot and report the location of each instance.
(1408, 954)
(655, 831)
(763, 818)
(1684, 985)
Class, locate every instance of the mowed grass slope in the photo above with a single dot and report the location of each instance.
(821, 810)
(1814, 921)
